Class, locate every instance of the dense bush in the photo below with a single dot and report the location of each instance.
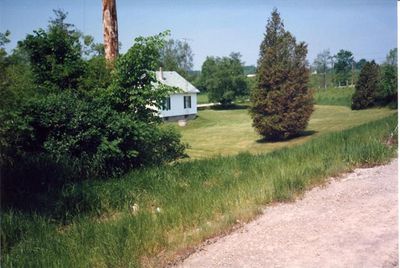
(97, 75)
(366, 91)
(88, 122)
(62, 137)
(282, 103)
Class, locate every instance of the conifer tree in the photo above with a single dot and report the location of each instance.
(366, 87)
(281, 103)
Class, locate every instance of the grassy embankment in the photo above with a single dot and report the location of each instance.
(196, 199)
(93, 224)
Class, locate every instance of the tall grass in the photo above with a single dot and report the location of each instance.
(92, 224)
(334, 96)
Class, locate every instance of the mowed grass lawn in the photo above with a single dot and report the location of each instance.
(228, 132)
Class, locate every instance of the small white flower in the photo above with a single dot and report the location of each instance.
(134, 208)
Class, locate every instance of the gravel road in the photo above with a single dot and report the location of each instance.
(350, 222)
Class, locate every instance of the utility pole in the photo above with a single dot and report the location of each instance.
(110, 28)
(324, 75)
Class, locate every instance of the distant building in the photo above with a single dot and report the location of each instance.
(181, 105)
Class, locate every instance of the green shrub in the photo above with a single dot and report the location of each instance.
(97, 75)
(72, 135)
(63, 137)
(367, 87)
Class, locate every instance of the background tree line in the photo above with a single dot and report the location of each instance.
(380, 81)
(341, 69)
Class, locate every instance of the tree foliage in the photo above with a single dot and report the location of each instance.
(132, 89)
(343, 64)
(321, 65)
(16, 80)
(55, 55)
(88, 122)
(282, 103)
(387, 93)
(177, 55)
(360, 64)
(223, 78)
(391, 58)
(366, 87)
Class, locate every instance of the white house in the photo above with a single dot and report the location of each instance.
(180, 105)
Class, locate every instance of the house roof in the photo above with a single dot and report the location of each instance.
(173, 79)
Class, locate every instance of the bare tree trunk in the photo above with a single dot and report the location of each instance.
(110, 26)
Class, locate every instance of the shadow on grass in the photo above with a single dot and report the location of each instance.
(230, 107)
(301, 134)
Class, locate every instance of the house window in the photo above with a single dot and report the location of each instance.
(166, 104)
(187, 102)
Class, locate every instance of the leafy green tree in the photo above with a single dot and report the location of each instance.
(321, 65)
(177, 56)
(342, 66)
(360, 64)
(250, 69)
(16, 81)
(388, 85)
(391, 58)
(223, 78)
(366, 87)
(132, 89)
(4, 39)
(388, 80)
(90, 48)
(282, 103)
(55, 55)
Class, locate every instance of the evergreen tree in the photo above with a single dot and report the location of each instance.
(282, 103)
(366, 87)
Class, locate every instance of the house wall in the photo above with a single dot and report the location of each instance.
(177, 106)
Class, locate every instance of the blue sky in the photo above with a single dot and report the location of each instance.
(216, 28)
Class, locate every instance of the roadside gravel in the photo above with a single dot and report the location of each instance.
(350, 222)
